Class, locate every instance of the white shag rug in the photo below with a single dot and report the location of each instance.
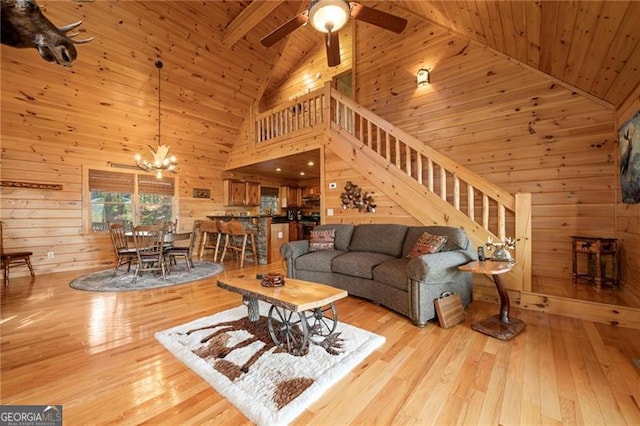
(267, 384)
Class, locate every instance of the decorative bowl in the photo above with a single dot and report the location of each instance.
(272, 280)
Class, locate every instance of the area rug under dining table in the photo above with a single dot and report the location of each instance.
(105, 281)
(267, 384)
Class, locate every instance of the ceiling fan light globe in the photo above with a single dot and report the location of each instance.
(329, 16)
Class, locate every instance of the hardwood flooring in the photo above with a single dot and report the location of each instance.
(95, 353)
(583, 290)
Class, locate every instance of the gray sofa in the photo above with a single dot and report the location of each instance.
(370, 261)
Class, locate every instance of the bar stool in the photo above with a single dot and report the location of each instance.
(238, 239)
(211, 238)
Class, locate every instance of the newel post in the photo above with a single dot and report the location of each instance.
(523, 238)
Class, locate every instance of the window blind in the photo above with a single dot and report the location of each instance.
(100, 180)
(149, 184)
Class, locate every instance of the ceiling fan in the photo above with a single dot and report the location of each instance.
(329, 16)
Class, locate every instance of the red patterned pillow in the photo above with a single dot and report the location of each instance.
(427, 243)
(322, 240)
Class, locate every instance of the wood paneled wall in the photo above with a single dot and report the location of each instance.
(628, 215)
(516, 128)
(58, 122)
(504, 121)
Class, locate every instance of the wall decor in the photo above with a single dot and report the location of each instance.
(201, 193)
(31, 185)
(629, 140)
(354, 198)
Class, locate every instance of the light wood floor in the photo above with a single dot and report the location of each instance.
(583, 290)
(95, 354)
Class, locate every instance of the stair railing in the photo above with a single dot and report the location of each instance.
(302, 113)
(454, 184)
(480, 200)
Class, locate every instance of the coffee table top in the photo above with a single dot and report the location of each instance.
(294, 295)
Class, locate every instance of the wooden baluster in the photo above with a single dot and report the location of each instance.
(430, 174)
(471, 208)
(456, 192)
(419, 171)
(443, 184)
(398, 154)
(407, 150)
(502, 223)
(485, 211)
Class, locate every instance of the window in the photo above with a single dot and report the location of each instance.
(129, 198)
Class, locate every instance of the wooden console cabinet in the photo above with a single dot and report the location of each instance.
(599, 252)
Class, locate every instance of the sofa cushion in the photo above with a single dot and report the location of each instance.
(358, 264)
(426, 244)
(317, 261)
(393, 273)
(379, 238)
(343, 234)
(322, 240)
(456, 237)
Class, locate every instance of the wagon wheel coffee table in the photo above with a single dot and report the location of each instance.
(299, 309)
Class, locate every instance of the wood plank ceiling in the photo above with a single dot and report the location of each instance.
(593, 46)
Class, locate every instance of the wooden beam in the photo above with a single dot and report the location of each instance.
(248, 18)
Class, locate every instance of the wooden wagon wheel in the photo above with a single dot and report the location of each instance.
(289, 329)
(322, 321)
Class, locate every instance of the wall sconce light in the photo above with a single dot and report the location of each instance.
(423, 77)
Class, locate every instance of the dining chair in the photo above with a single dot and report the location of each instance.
(211, 238)
(13, 259)
(124, 253)
(185, 252)
(238, 239)
(149, 240)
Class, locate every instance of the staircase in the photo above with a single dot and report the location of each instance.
(428, 185)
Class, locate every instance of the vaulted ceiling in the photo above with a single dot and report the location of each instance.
(593, 46)
(214, 46)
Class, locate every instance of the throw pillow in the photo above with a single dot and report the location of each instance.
(322, 240)
(427, 243)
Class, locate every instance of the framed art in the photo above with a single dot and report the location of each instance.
(629, 140)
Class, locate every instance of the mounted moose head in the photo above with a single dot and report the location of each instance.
(24, 25)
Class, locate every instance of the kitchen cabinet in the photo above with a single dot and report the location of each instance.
(252, 197)
(294, 231)
(290, 197)
(310, 191)
(240, 193)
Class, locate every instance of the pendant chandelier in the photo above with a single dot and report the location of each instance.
(161, 159)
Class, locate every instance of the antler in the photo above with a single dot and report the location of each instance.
(70, 27)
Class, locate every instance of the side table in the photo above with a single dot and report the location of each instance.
(597, 251)
(500, 326)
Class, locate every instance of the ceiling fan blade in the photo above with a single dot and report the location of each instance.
(285, 29)
(378, 18)
(332, 42)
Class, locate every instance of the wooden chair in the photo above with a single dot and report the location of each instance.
(149, 240)
(124, 253)
(238, 239)
(210, 233)
(13, 259)
(185, 252)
